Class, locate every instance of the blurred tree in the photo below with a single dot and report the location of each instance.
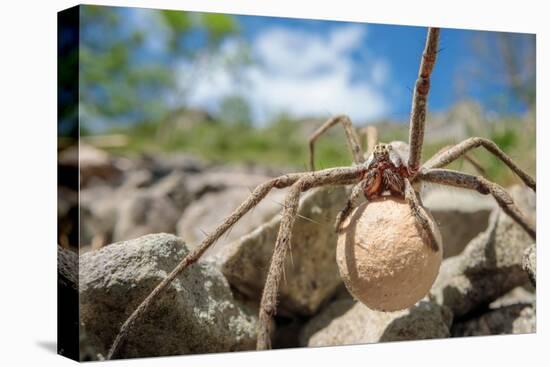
(130, 60)
(510, 61)
(235, 110)
(518, 56)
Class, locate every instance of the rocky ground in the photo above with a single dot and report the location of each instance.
(139, 217)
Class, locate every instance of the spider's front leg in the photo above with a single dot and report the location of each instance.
(474, 163)
(268, 305)
(446, 157)
(420, 100)
(255, 197)
(351, 204)
(483, 186)
(422, 217)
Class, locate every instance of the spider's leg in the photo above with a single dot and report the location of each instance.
(420, 99)
(420, 214)
(369, 138)
(352, 202)
(351, 136)
(477, 166)
(254, 198)
(460, 149)
(483, 186)
(268, 303)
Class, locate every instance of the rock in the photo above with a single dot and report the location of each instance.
(153, 209)
(174, 188)
(518, 295)
(67, 268)
(67, 311)
(132, 210)
(136, 179)
(213, 181)
(512, 319)
(94, 165)
(67, 217)
(144, 213)
(197, 314)
(87, 351)
(461, 215)
(530, 263)
(286, 332)
(349, 322)
(490, 265)
(163, 164)
(98, 214)
(311, 274)
(204, 215)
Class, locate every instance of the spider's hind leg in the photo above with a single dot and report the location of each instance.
(422, 218)
(369, 138)
(351, 136)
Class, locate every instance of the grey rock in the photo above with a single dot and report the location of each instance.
(530, 263)
(204, 215)
(490, 265)
(213, 181)
(311, 273)
(519, 295)
(95, 166)
(461, 215)
(87, 351)
(348, 322)
(165, 163)
(67, 292)
(67, 268)
(174, 188)
(144, 213)
(137, 178)
(151, 210)
(196, 314)
(134, 209)
(67, 217)
(98, 214)
(512, 319)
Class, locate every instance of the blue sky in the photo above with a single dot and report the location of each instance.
(317, 68)
(313, 67)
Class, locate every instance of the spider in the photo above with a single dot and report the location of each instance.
(392, 169)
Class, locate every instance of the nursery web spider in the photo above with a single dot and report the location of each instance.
(386, 169)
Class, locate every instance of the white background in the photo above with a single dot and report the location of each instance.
(28, 182)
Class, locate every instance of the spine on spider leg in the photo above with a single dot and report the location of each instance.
(420, 98)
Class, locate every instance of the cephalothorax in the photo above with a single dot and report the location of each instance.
(386, 172)
(393, 169)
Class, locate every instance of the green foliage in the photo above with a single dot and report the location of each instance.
(126, 77)
(218, 25)
(283, 142)
(179, 21)
(505, 139)
(235, 110)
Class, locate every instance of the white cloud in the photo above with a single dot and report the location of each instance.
(303, 73)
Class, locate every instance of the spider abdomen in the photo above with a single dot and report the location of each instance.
(383, 256)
